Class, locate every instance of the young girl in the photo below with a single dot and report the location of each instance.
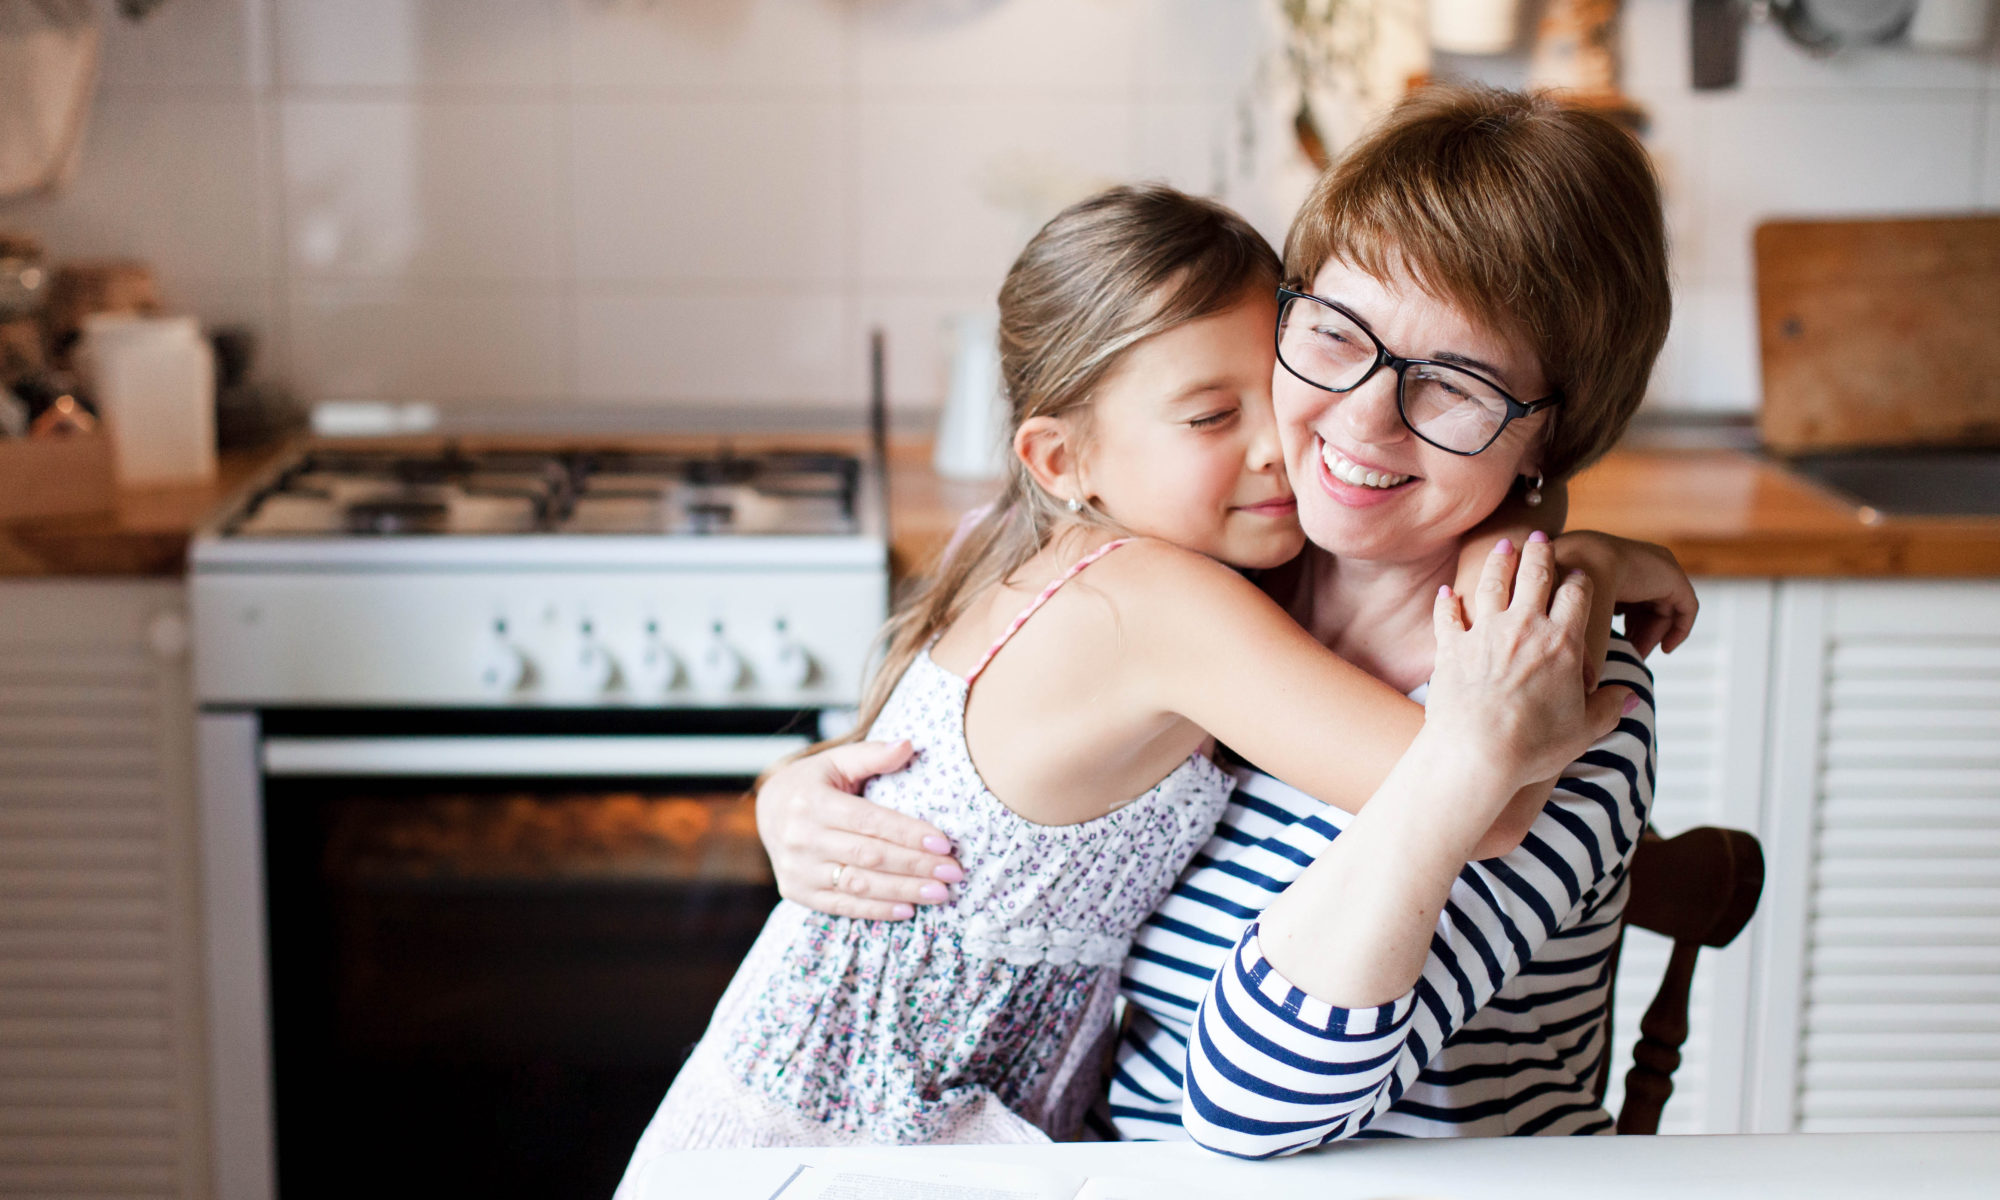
(1062, 724)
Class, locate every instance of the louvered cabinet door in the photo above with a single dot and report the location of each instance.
(1893, 999)
(100, 1064)
(1710, 699)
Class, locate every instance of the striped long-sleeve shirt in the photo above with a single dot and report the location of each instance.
(1503, 1033)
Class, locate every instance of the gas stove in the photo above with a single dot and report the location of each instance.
(363, 493)
(596, 576)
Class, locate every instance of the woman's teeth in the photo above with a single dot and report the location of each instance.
(1348, 472)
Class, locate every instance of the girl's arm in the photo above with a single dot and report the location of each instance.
(1204, 643)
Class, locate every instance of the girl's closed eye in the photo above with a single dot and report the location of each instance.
(1212, 420)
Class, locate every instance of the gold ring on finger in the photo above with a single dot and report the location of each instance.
(834, 883)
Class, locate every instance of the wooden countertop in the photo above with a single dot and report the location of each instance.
(1722, 512)
(145, 532)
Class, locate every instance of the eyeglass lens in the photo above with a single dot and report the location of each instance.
(1446, 406)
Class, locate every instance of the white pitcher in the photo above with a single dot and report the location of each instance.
(972, 429)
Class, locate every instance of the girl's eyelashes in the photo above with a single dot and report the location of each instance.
(1212, 419)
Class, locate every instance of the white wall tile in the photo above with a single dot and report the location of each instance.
(676, 161)
(170, 180)
(420, 43)
(1026, 48)
(753, 47)
(428, 190)
(1716, 332)
(1773, 62)
(919, 343)
(187, 44)
(1676, 139)
(1773, 157)
(1206, 49)
(783, 348)
(371, 341)
(1989, 191)
(950, 191)
(1653, 50)
(250, 303)
(738, 190)
(1187, 143)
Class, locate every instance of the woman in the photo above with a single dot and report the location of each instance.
(1314, 975)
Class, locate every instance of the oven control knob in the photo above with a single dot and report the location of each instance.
(787, 666)
(658, 668)
(596, 670)
(504, 669)
(717, 667)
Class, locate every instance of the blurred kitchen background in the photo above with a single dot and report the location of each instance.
(388, 791)
(586, 206)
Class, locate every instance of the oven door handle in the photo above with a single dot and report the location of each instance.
(548, 757)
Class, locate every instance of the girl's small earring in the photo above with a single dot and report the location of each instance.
(1534, 496)
(1076, 505)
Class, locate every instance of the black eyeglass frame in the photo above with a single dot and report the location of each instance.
(1516, 409)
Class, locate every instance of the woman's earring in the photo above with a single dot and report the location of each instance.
(1075, 505)
(1534, 496)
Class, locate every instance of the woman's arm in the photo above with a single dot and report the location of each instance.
(811, 819)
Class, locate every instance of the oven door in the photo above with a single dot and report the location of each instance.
(493, 938)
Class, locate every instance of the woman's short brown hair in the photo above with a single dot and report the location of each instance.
(1539, 218)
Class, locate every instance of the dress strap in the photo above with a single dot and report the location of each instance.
(1014, 626)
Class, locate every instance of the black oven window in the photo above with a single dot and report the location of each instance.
(486, 990)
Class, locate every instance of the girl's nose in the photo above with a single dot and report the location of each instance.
(1262, 451)
(1369, 411)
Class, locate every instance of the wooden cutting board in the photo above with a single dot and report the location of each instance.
(1879, 333)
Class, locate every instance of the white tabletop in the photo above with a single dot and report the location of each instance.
(1928, 1166)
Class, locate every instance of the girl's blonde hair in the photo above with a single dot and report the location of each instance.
(1103, 275)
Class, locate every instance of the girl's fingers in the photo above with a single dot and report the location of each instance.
(1645, 628)
(1495, 580)
(1569, 611)
(1445, 615)
(1606, 707)
(1683, 624)
(1535, 577)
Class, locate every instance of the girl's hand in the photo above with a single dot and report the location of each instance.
(1648, 586)
(1510, 688)
(812, 819)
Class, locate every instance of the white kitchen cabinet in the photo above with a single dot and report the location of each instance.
(1879, 936)
(100, 1057)
(1711, 700)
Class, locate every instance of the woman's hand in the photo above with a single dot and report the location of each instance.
(1650, 588)
(1511, 684)
(812, 819)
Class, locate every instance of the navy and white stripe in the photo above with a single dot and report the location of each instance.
(1502, 1034)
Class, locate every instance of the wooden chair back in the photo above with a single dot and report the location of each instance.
(1698, 889)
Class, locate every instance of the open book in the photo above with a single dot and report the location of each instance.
(886, 1176)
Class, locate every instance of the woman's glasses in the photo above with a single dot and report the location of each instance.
(1452, 408)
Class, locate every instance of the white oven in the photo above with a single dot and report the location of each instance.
(478, 857)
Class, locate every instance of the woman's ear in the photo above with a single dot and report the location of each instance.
(1046, 446)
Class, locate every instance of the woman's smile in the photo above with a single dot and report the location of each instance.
(1353, 483)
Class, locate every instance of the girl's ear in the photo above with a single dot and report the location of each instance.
(1046, 447)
